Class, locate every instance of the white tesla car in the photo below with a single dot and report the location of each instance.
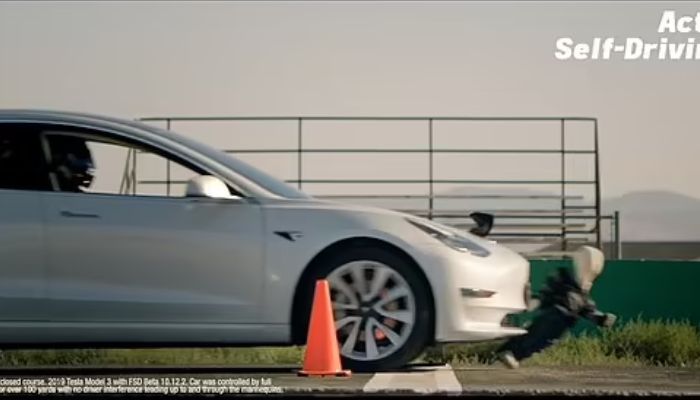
(228, 257)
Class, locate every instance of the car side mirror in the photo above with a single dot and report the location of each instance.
(484, 223)
(208, 186)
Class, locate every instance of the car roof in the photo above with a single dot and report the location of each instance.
(64, 116)
(132, 127)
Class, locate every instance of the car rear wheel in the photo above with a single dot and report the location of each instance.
(381, 306)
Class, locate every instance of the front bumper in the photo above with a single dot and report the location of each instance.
(473, 295)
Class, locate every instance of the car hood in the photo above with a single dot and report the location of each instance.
(315, 203)
(320, 204)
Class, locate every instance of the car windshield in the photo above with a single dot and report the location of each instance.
(263, 179)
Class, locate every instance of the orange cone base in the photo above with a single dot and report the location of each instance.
(341, 373)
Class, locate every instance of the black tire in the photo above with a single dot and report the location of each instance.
(421, 333)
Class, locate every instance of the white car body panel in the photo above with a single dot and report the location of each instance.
(153, 259)
(23, 270)
(180, 270)
(447, 270)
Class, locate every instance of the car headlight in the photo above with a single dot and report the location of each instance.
(453, 240)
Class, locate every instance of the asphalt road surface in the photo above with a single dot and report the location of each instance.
(426, 379)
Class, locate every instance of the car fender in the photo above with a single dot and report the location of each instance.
(290, 252)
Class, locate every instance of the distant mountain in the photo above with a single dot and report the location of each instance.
(657, 216)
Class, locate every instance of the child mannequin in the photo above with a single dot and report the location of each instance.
(562, 301)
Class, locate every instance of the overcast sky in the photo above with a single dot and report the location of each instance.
(136, 59)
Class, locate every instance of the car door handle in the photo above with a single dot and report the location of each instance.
(70, 214)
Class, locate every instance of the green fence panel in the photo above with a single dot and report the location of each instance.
(665, 290)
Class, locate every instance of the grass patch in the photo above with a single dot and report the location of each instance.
(155, 357)
(635, 343)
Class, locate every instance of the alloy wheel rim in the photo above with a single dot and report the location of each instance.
(374, 309)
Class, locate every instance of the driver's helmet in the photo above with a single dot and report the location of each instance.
(72, 163)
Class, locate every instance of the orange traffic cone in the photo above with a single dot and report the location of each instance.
(322, 357)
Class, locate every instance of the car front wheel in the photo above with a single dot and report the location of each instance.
(381, 306)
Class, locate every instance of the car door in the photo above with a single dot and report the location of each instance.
(133, 255)
(22, 269)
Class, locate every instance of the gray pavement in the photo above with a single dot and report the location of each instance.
(416, 380)
(580, 380)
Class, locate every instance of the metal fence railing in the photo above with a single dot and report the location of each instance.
(566, 214)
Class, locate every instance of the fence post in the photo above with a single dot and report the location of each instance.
(597, 182)
(133, 172)
(618, 242)
(563, 186)
(299, 152)
(167, 165)
(430, 169)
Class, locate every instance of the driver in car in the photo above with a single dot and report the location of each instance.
(73, 167)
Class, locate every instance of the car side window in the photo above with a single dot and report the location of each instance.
(22, 164)
(88, 163)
